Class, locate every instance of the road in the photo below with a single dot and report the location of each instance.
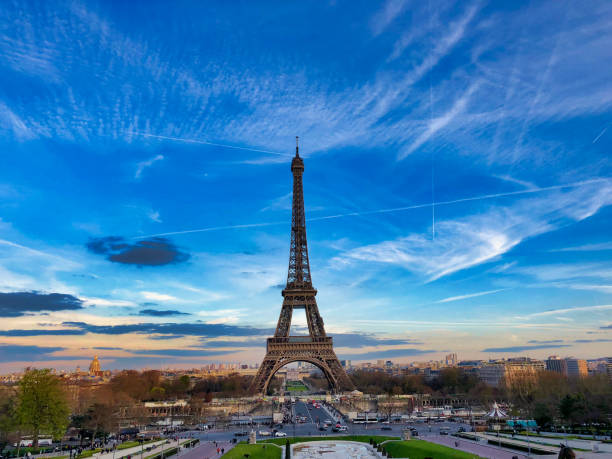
(311, 428)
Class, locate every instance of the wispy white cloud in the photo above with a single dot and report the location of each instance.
(155, 296)
(586, 248)
(141, 166)
(14, 122)
(105, 302)
(436, 124)
(567, 271)
(478, 238)
(525, 184)
(222, 316)
(577, 309)
(391, 10)
(469, 295)
(154, 216)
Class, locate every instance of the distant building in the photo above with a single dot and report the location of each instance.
(451, 360)
(492, 374)
(554, 363)
(512, 371)
(94, 367)
(576, 368)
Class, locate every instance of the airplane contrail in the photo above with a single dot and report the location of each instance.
(600, 134)
(388, 210)
(205, 142)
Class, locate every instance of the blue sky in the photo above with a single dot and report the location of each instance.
(458, 178)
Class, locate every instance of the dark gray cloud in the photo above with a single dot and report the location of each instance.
(18, 353)
(552, 341)
(600, 340)
(365, 339)
(148, 252)
(104, 348)
(15, 304)
(388, 354)
(165, 337)
(162, 313)
(524, 348)
(237, 344)
(188, 329)
(39, 332)
(605, 327)
(165, 330)
(180, 352)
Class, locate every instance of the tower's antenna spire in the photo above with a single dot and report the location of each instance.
(297, 148)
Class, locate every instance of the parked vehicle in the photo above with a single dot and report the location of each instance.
(280, 434)
(264, 433)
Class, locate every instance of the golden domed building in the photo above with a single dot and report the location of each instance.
(94, 367)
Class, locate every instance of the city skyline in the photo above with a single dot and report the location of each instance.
(457, 179)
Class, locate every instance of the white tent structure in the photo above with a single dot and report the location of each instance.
(496, 412)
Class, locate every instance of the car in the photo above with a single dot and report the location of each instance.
(242, 433)
(264, 433)
(386, 428)
(322, 428)
(461, 429)
(280, 434)
(443, 432)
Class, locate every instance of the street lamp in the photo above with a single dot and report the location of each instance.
(528, 442)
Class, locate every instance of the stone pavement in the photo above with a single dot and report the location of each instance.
(206, 450)
(136, 450)
(583, 444)
(482, 450)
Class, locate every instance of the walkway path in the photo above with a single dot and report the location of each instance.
(158, 446)
(584, 444)
(473, 447)
(207, 450)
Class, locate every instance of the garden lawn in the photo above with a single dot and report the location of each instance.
(132, 444)
(254, 452)
(419, 449)
(359, 438)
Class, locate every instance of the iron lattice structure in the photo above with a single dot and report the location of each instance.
(316, 347)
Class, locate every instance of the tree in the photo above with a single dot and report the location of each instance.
(42, 407)
(99, 419)
(7, 408)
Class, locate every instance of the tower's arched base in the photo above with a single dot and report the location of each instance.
(318, 351)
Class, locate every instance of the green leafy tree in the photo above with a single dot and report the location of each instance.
(42, 407)
(7, 409)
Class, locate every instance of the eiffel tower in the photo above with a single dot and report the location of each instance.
(317, 347)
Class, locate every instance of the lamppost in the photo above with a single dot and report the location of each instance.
(528, 442)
